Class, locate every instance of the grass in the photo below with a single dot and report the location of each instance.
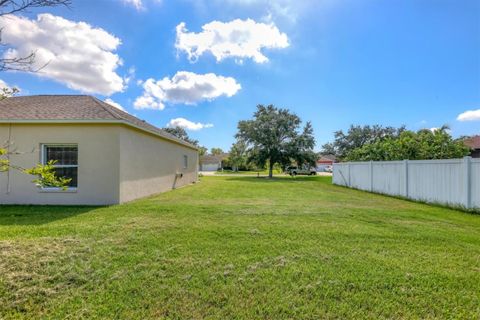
(261, 172)
(242, 248)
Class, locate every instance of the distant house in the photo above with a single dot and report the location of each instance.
(211, 162)
(110, 156)
(474, 144)
(325, 161)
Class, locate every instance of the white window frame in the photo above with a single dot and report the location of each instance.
(185, 161)
(43, 159)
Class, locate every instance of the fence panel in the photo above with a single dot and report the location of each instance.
(340, 174)
(389, 177)
(437, 181)
(475, 182)
(453, 182)
(360, 175)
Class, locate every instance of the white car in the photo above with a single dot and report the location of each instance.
(293, 171)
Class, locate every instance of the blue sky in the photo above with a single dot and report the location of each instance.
(333, 62)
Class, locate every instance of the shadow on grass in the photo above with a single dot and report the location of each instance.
(282, 179)
(38, 215)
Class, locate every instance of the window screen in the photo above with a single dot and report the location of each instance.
(66, 165)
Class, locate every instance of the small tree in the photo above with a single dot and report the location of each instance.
(202, 150)
(45, 173)
(274, 137)
(6, 92)
(238, 155)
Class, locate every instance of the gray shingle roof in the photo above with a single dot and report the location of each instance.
(327, 157)
(213, 159)
(72, 108)
(209, 159)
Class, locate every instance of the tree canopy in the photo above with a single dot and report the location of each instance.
(202, 151)
(358, 136)
(180, 133)
(274, 136)
(421, 145)
(216, 151)
(238, 156)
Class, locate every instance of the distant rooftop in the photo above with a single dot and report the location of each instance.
(473, 142)
(210, 158)
(82, 108)
(327, 157)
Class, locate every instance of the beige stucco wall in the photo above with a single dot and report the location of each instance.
(117, 163)
(148, 165)
(98, 159)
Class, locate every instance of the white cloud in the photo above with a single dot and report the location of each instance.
(239, 39)
(435, 129)
(138, 4)
(3, 84)
(115, 104)
(5, 87)
(281, 9)
(185, 87)
(73, 53)
(187, 124)
(470, 115)
(285, 11)
(130, 75)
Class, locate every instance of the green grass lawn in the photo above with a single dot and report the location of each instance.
(242, 248)
(261, 172)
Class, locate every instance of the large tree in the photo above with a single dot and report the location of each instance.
(275, 136)
(358, 136)
(421, 145)
(12, 7)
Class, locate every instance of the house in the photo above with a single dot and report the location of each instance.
(211, 162)
(474, 144)
(110, 156)
(325, 161)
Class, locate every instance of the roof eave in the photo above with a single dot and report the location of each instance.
(99, 121)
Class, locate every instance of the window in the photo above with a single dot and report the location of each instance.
(66, 157)
(185, 162)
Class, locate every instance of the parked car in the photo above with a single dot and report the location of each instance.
(329, 169)
(293, 171)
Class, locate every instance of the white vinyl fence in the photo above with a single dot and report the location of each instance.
(452, 182)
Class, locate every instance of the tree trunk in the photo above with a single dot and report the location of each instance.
(270, 168)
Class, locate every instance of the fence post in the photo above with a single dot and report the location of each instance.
(349, 175)
(371, 175)
(467, 182)
(405, 171)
